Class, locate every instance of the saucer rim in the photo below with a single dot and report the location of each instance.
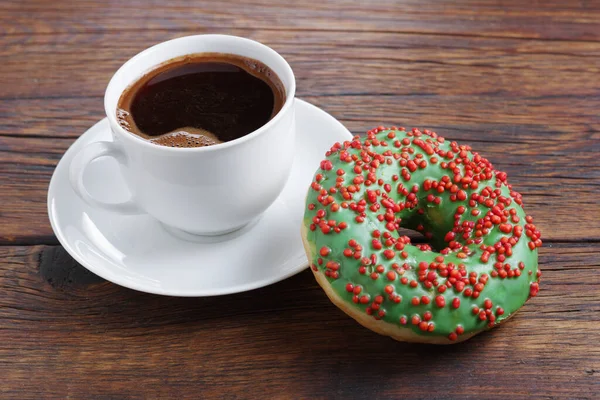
(115, 278)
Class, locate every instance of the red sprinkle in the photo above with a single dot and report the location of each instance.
(324, 252)
(456, 302)
(326, 165)
(440, 301)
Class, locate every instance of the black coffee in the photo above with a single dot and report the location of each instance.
(201, 100)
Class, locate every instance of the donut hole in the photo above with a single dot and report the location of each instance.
(414, 235)
(417, 237)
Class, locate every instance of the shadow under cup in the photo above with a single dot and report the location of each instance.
(206, 190)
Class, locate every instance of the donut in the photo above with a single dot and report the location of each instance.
(477, 265)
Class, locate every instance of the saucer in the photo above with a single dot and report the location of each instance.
(139, 253)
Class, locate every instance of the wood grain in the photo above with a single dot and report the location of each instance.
(516, 80)
(550, 19)
(283, 341)
(373, 63)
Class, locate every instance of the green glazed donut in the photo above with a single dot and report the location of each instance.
(481, 261)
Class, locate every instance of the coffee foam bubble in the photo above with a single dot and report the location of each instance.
(189, 137)
(122, 118)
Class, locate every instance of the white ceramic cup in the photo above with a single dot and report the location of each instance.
(203, 190)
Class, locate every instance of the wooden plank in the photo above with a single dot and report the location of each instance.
(66, 333)
(551, 19)
(540, 121)
(45, 66)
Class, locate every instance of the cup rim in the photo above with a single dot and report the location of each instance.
(290, 95)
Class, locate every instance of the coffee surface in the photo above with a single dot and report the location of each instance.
(201, 100)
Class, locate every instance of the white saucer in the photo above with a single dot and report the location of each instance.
(138, 253)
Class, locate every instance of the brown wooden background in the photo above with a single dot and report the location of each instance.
(518, 80)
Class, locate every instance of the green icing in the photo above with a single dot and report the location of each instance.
(510, 293)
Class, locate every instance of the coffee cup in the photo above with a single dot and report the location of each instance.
(208, 190)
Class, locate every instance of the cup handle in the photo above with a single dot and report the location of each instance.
(81, 160)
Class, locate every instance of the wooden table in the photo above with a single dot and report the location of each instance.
(519, 82)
